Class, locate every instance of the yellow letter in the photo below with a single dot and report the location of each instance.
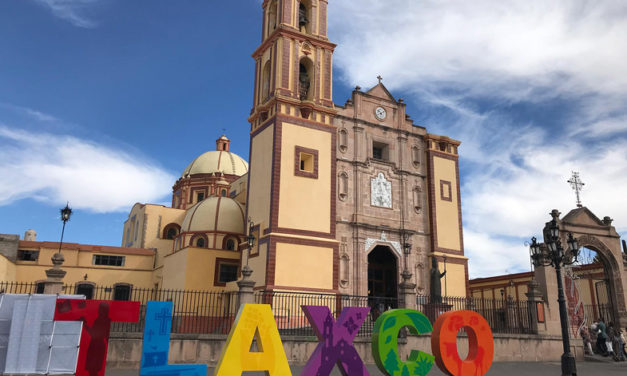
(253, 320)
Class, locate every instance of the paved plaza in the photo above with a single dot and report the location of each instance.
(497, 369)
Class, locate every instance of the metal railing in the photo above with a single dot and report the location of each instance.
(503, 315)
(595, 311)
(214, 312)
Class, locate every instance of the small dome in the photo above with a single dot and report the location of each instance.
(202, 216)
(217, 161)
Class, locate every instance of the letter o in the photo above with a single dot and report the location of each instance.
(480, 343)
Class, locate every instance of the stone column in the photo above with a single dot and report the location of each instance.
(246, 285)
(536, 305)
(407, 293)
(54, 282)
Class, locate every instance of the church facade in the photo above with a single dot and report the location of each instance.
(353, 199)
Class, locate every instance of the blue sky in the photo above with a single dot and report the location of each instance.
(104, 102)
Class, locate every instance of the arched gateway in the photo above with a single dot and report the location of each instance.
(601, 237)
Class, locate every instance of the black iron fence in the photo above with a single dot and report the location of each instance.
(214, 312)
(503, 315)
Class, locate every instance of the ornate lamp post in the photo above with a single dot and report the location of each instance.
(556, 256)
(250, 239)
(407, 288)
(246, 285)
(55, 274)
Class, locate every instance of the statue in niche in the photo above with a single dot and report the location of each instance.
(302, 17)
(436, 285)
(303, 80)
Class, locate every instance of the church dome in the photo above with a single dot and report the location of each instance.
(220, 160)
(220, 214)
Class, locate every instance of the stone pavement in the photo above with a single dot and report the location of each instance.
(497, 369)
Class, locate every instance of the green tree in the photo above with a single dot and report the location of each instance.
(391, 363)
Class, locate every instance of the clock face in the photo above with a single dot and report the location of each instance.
(380, 113)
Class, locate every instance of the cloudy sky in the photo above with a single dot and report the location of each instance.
(104, 102)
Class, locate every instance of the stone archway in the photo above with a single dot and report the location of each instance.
(601, 237)
(382, 273)
(612, 273)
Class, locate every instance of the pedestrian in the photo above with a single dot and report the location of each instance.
(587, 344)
(610, 341)
(602, 337)
(622, 356)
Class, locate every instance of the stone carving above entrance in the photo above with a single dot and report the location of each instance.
(396, 246)
(380, 191)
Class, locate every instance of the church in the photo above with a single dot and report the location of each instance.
(353, 199)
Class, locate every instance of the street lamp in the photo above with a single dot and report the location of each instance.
(406, 274)
(66, 212)
(250, 239)
(556, 256)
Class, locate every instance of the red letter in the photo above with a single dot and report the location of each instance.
(480, 343)
(96, 316)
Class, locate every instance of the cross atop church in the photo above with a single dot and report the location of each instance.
(577, 185)
(379, 78)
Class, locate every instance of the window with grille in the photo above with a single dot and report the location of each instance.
(108, 260)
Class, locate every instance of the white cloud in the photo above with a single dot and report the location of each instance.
(478, 60)
(59, 168)
(73, 11)
(483, 45)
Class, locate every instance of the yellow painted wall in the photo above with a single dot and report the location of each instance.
(447, 215)
(174, 270)
(260, 176)
(7, 269)
(157, 217)
(304, 266)
(455, 280)
(137, 269)
(193, 269)
(305, 202)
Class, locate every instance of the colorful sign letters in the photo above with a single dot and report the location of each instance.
(33, 341)
(385, 345)
(97, 316)
(335, 341)
(157, 345)
(335, 345)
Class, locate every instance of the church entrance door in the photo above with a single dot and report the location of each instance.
(382, 275)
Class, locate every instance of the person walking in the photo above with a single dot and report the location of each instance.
(622, 356)
(587, 343)
(602, 337)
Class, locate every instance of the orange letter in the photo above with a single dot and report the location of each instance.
(480, 343)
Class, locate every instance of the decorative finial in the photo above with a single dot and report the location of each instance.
(577, 185)
(379, 78)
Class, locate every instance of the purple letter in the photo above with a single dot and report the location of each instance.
(335, 341)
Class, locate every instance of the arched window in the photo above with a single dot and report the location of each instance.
(272, 16)
(305, 78)
(417, 196)
(230, 245)
(170, 231)
(415, 156)
(265, 89)
(200, 243)
(122, 291)
(86, 289)
(40, 287)
(303, 17)
(223, 193)
(343, 140)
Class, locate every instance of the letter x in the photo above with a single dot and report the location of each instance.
(335, 341)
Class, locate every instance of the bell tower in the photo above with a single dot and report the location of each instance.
(291, 183)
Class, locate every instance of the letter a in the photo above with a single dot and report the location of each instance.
(253, 320)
